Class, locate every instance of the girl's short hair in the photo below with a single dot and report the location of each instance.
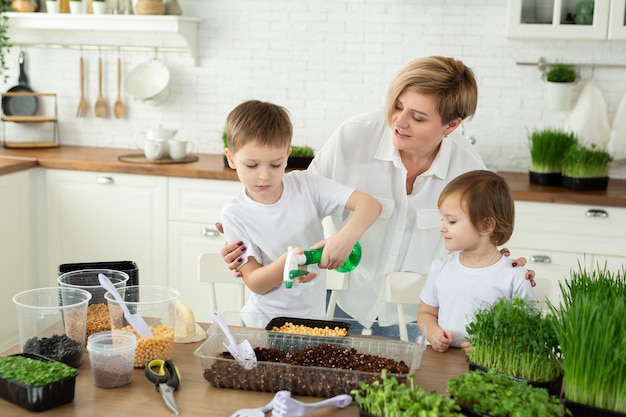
(487, 198)
(448, 80)
(256, 121)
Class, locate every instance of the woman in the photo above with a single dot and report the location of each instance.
(403, 156)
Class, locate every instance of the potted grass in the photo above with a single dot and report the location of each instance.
(547, 147)
(592, 335)
(526, 348)
(586, 169)
(388, 397)
(495, 395)
(560, 79)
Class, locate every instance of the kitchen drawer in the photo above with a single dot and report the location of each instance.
(199, 200)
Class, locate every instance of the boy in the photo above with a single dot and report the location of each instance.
(277, 210)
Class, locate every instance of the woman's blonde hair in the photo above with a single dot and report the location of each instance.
(448, 80)
(488, 201)
(265, 123)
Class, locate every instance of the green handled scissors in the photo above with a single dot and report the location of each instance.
(166, 379)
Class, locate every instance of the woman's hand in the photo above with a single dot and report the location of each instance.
(530, 274)
(232, 253)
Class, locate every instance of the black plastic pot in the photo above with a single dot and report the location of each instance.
(586, 184)
(582, 410)
(554, 386)
(548, 179)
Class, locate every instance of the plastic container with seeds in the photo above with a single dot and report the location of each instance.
(157, 305)
(112, 357)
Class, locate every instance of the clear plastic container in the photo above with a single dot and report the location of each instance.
(52, 322)
(157, 305)
(310, 380)
(87, 279)
(112, 358)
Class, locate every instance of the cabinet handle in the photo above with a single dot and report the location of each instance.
(104, 180)
(543, 259)
(208, 232)
(597, 213)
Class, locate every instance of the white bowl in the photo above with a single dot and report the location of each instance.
(148, 80)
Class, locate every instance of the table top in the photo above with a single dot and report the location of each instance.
(196, 397)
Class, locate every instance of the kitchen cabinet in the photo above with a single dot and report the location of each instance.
(99, 216)
(194, 208)
(555, 238)
(16, 249)
(548, 19)
(124, 32)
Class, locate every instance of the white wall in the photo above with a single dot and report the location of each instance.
(326, 60)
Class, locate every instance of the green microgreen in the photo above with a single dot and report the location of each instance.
(493, 394)
(302, 151)
(32, 371)
(582, 162)
(562, 73)
(592, 334)
(514, 337)
(389, 398)
(547, 147)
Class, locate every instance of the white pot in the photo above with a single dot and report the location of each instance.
(559, 95)
(99, 7)
(52, 6)
(76, 7)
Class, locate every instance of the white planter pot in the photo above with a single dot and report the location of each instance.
(52, 6)
(76, 7)
(99, 7)
(559, 95)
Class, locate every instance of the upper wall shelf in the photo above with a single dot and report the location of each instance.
(164, 33)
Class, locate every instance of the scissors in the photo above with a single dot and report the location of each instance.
(166, 379)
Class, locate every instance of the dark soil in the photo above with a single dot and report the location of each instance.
(302, 372)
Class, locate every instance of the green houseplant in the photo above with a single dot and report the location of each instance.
(493, 394)
(547, 147)
(390, 398)
(5, 46)
(592, 335)
(525, 348)
(585, 168)
(560, 79)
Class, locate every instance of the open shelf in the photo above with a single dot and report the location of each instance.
(160, 32)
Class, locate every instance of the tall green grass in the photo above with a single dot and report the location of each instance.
(547, 148)
(592, 332)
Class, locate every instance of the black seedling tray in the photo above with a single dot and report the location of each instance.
(312, 323)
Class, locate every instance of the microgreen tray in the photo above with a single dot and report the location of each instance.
(40, 397)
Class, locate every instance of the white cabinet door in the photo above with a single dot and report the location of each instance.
(617, 20)
(194, 208)
(16, 250)
(548, 19)
(96, 216)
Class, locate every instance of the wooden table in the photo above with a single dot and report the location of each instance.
(196, 397)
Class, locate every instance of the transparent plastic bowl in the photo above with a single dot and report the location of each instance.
(112, 357)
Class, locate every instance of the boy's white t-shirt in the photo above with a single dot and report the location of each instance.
(459, 291)
(267, 230)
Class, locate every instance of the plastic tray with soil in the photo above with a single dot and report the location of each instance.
(319, 366)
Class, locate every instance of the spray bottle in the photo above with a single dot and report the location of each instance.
(314, 256)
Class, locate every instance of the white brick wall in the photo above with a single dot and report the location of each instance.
(326, 60)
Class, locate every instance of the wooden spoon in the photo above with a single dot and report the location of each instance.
(100, 109)
(118, 108)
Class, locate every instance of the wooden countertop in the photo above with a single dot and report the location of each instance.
(211, 166)
(196, 397)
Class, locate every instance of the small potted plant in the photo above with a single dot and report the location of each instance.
(495, 395)
(301, 157)
(525, 348)
(560, 79)
(99, 7)
(592, 335)
(586, 169)
(547, 147)
(388, 397)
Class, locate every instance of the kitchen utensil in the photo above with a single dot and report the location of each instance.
(179, 149)
(18, 105)
(285, 406)
(83, 107)
(166, 378)
(118, 108)
(100, 109)
(242, 352)
(135, 320)
(148, 80)
(258, 412)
